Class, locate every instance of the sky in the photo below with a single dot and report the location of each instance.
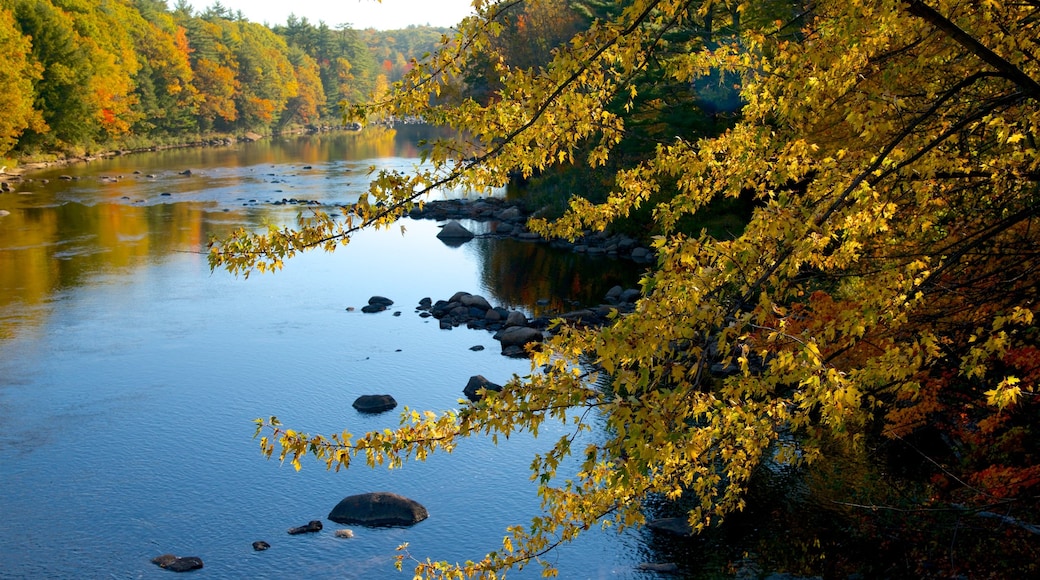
(385, 15)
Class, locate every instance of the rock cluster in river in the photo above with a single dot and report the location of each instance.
(512, 328)
(509, 220)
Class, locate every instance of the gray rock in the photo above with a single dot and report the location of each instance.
(475, 384)
(642, 255)
(676, 526)
(474, 301)
(630, 295)
(516, 318)
(509, 214)
(261, 545)
(380, 300)
(514, 352)
(518, 336)
(374, 403)
(378, 509)
(613, 295)
(377, 304)
(311, 527)
(177, 564)
(453, 230)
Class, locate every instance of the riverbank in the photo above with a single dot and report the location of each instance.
(28, 165)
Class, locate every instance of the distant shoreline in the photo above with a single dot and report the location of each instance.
(217, 140)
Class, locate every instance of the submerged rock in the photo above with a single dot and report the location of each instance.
(676, 526)
(261, 545)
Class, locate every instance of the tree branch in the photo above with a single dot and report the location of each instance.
(1030, 86)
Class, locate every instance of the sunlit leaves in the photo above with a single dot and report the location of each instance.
(891, 257)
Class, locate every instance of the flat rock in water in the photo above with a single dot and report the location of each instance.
(374, 403)
(379, 508)
(311, 527)
(177, 564)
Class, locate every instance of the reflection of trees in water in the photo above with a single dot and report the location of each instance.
(521, 273)
(54, 247)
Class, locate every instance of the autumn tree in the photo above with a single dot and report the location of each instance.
(17, 73)
(265, 76)
(215, 69)
(167, 97)
(884, 285)
(305, 107)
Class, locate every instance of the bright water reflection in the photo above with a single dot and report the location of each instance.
(129, 374)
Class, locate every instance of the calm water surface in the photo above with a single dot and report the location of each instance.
(130, 374)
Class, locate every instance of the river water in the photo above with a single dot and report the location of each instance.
(130, 373)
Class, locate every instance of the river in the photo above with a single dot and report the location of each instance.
(130, 373)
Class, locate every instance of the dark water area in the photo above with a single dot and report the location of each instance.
(130, 373)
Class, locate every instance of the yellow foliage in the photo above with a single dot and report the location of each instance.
(890, 146)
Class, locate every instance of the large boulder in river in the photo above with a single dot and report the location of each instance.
(454, 231)
(519, 336)
(379, 508)
(474, 301)
(516, 318)
(374, 403)
(475, 384)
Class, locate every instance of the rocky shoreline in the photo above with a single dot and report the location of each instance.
(508, 219)
(15, 174)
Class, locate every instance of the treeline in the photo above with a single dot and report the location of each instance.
(84, 74)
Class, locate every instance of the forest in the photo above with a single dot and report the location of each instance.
(89, 75)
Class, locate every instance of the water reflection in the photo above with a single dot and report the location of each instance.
(545, 280)
(69, 224)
